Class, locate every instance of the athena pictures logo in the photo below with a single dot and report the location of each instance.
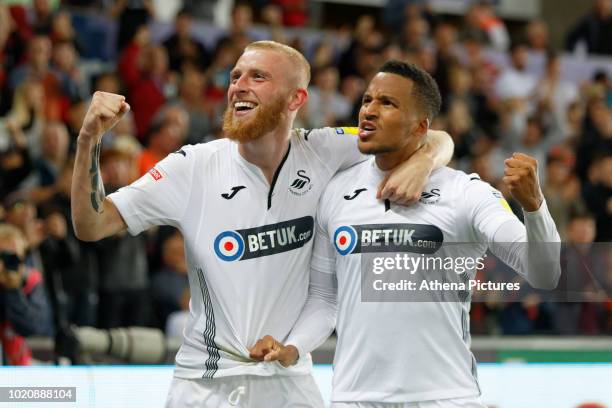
(229, 246)
(345, 239)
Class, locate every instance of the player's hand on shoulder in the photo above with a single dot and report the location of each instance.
(105, 111)
(269, 349)
(403, 185)
(521, 178)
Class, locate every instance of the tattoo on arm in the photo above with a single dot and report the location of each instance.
(97, 187)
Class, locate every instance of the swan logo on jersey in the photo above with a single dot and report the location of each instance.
(418, 238)
(430, 197)
(301, 185)
(264, 240)
(345, 239)
(229, 246)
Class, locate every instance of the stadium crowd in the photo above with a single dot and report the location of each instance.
(53, 57)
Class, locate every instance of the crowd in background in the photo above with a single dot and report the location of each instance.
(176, 86)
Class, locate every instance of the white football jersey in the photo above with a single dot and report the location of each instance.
(248, 243)
(398, 352)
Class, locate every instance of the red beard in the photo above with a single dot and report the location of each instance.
(266, 119)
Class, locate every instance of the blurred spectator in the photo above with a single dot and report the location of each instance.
(66, 63)
(597, 194)
(191, 99)
(171, 281)
(476, 59)
(528, 317)
(561, 189)
(76, 114)
(465, 133)
(352, 88)
(392, 50)
(594, 30)
(523, 313)
(22, 214)
(40, 184)
(202, 9)
(554, 95)
(396, 12)
(70, 265)
(54, 153)
(217, 76)
(369, 59)
(122, 260)
(538, 36)
(27, 115)
(19, 33)
(133, 15)
(596, 135)
(580, 263)
(415, 34)
(239, 31)
(62, 31)
(294, 12)
(364, 38)
(15, 160)
(182, 48)
(460, 83)
(574, 119)
(6, 30)
(326, 106)
(424, 57)
(515, 88)
(24, 309)
(445, 37)
(163, 139)
(38, 67)
(38, 59)
(144, 70)
(481, 17)
(272, 17)
(603, 84)
(515, 82)
(175, 115)
(41, 16)
(323, 55)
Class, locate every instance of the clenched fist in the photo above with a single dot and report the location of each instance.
(105, 110)
(521, 177)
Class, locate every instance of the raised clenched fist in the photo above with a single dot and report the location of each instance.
(521, 178)
(105, 110)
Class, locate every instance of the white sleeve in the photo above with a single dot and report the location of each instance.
(318, 317)
(159, 197)
(337, 147)
(532, 250)
(485, 207)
